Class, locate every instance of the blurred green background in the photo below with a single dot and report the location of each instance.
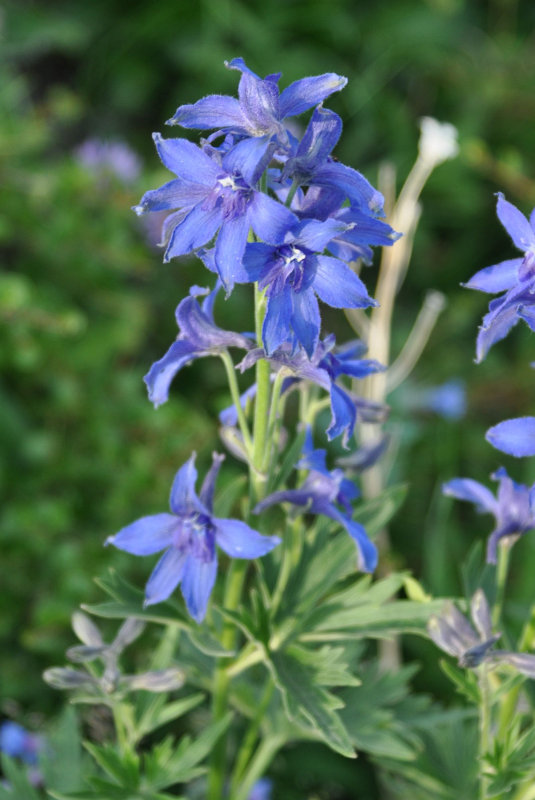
(86, 304)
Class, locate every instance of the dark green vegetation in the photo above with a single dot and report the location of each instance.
(86, 304)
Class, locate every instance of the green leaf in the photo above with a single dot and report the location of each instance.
(377, 513)
(61, 762)
(16, 776)
(124, 769)
(160, 711)
(278, 478)
(464, 679)
(305, 702)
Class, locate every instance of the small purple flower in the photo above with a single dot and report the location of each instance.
(452, 632)
(116, 158)
(294, 274)
(260, 111)
(199, 336)
(189, 536)
(323, 369)
(515, 277)
(214, 194)
(513, 508)
(17, 742)
(321, 493)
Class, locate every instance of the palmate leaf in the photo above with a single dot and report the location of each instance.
(123, 769)
(159, 711)
(307, 703)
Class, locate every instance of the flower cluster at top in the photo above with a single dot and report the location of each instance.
(260, 206)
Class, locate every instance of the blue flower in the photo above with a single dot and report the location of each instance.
(261, 790)
(321, 493)
(116, 158)
(260, 111)
(323, 369)
(513, 508)
(199, 336)
(294, 274)
(312, 165)
(17, 742)
(515, 277)
(452, 632)
(214, 192)
(189, 535)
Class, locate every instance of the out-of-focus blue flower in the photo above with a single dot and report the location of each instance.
(516, 437)
(199, 336)
(261, 790)
(17, 742)
(447, 400)
(294, 274)
(189, 536)
(321, 493)
(114, 157)
(513, 508)
(312, 165)
(452, 632)
(323, 369)
(515, 277)
(213, 192)
(260, 111)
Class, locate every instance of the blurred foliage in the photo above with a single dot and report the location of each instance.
(86, 305)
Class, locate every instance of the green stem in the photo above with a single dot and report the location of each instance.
(261, 411)
(251, 736)
(504, 550)
(233, 590)
(484, 729)
(258, 765)
(272, 419)
(293, 188)
(235, 393)
(290, 557)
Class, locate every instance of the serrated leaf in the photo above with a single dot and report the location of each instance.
(377, 513)
(307, 703)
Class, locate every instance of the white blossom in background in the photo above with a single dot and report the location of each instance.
(438, 141)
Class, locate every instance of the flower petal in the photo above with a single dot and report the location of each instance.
(479, 608)
(495, 327)
(186, 160)
(301, 95)
(306, 320)
(197, 584)
(183, 499)
(240, 541)
(515, 223)
(473, 492)
(229, 250)
(366, 550)
(165, 576)
(338, 286)
(214, 111)
(497, 278)
(343, 417)
(195, 230)
(270, 220)
(145, 536)
(514, 436)
(277, 323)
(249, 158)
(175, 194)
(354, 185)
(201, 332)
(162, 372)
(206, 495)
